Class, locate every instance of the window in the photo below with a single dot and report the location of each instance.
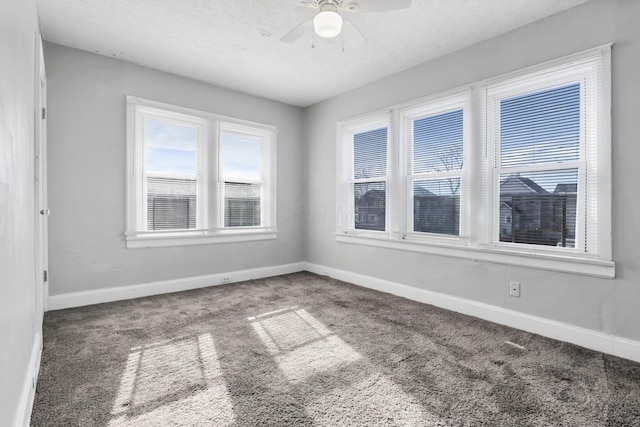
(195, 177)
(544, 133)
(369, 179)
(435, 140)
(514, 169)
(365, 146)
(171, 171)
(242, 176)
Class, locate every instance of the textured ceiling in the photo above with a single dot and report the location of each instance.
(236, 44)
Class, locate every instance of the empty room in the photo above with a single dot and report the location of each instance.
(319, 212)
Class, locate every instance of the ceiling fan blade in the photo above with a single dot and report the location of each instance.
(351, 35)
(375, 5)
(297, 32)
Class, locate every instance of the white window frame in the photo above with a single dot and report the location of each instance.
(479, 218)
(210, 197)
(458, 100)
(593, 200)
(346, 201)
(267, 211)
(143, 112)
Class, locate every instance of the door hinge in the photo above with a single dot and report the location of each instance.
(45, 276)
(44, 113)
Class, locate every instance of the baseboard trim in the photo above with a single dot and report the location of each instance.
(583, 337)
(79, 299)
(22, 417)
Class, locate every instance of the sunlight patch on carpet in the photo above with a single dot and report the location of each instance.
(301, 345)
(167, 383)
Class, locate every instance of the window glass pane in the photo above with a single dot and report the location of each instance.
(241, 204)
(436, 206)
(370, 154)
(437, 143)
(541, 127)
(169, 148)
(370, 205)
(539, 208)
(171, 203)
(240, 156)
(170, 171)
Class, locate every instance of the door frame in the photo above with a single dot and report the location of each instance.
(41, 211)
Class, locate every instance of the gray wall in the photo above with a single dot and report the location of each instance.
(18, 320)
(87, 180)
(610, 306)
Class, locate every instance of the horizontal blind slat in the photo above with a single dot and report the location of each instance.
(242, 203)
(370, 154)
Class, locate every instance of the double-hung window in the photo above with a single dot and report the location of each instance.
(434, 138)
(548, 161)
(243, 158)
(366, 193)
(195, 177)
(514, 169)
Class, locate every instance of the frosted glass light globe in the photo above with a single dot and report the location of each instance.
(327, 24)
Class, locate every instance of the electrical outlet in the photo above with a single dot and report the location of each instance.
(514, 289)
(226, 279)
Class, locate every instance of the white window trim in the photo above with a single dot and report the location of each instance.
(478, 243)
(345, 202)
(267, 192)
(210, 229)
(458, 100)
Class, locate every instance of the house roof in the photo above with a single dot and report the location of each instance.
(521, 184)
(419, 191)
(566, 188)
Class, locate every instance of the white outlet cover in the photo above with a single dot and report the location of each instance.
(514, 289)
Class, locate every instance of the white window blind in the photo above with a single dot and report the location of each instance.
(242, 183)
(370, 179)
(171, 168)
(514, 169)
(538, 130)
(435, 182)
(544, 134)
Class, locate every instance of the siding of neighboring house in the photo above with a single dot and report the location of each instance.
(171, 203)
(435, 214)
(241, 205)
(370, 210)
(530, 214)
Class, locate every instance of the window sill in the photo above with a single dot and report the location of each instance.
(137, 241)
(546, 261)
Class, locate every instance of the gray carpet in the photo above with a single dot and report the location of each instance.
(301, 349)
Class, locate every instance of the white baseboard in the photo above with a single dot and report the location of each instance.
(588, 338)
(78, 299)
(22, 417)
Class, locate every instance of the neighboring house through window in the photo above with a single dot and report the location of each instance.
(514, 169)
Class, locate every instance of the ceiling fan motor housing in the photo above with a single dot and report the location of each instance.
(328, 5)
(328, 22)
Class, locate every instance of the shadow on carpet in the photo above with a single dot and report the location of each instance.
(302, 349)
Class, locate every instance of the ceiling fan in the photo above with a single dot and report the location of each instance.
(328, 23)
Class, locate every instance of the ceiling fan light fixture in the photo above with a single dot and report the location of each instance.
(327, 24)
